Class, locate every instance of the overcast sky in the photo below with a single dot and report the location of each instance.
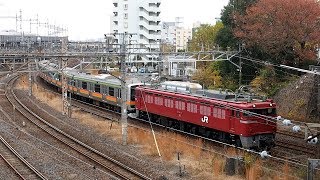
(91, 19)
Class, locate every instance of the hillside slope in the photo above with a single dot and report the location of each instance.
(299, 100)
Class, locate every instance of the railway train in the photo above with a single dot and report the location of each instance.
(242, 120)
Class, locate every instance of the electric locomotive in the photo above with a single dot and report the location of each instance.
(243, 121)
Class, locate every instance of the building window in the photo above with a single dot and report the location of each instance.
(126, 15)
(125, 25)
(125, 6)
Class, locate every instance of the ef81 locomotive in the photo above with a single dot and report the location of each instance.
(242, 120)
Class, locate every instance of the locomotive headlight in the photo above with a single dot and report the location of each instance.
(270, 104)
(254, 105)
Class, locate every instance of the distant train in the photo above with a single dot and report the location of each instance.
(244, 121)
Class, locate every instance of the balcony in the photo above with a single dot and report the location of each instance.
(144, 14)
(149, 27)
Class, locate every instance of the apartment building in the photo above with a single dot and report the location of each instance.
(140, 18)
(174, 34)
(183, 36)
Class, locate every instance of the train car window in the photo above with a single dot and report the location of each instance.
(90, 86)
(180, 105)
(202, 110)
(232, 113)
(84, 85)
(104, 89)
(79, 84)
(119, 93)
(149, 98)
(168, 103)
(97, 88)
(223, 114)
(192, 107)
(158, 100)
(111, 91)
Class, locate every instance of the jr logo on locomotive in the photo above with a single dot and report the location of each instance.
(205, 119)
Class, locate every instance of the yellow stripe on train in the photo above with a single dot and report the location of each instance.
(83, 91)
(131, 103)
(95, 94)
(111, 98)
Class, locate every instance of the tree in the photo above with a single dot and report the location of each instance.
(208, 77)
(225, 37)
(204, 37)
(287, 30)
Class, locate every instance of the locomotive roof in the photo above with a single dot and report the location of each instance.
(222, 96)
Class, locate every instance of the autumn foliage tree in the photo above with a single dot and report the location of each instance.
(287, 29)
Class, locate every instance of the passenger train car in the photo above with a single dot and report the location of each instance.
(103, 89)
(241, 120)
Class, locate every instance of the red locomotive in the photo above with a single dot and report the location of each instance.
(218, 115)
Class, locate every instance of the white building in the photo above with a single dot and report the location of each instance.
(168, 33)
(183, 36)
(140, 18)
(175, 34)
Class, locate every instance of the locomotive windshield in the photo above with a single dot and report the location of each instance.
(267, 112)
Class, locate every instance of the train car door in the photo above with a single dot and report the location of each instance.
(234, 115)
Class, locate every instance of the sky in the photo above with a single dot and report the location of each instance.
(91, 19)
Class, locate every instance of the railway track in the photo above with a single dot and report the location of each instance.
(22, 168)
(293, 142)
(111, 166)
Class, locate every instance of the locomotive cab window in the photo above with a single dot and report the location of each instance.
(97, 88)
(269, 111)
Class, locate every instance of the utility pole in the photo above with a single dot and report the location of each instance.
(30, 77)
(124, 115)
(64, 81)
(240, 65)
